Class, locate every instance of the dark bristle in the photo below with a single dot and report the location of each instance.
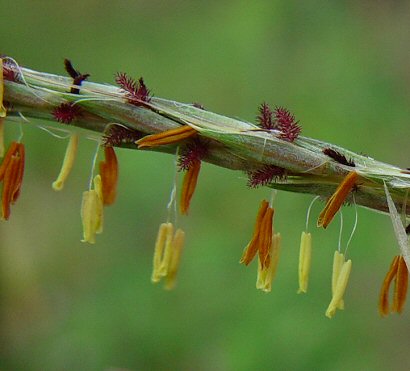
(198, 105)
(265, 176)
(338, 157)
(70, 69)
(195, 150)
(78, 77)
(136, 91)
(117, 135)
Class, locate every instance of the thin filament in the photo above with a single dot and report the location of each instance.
(272, 197)
(90, 183)
(49, 130)
(354, 225)
(172, 203)
(340, 231)
(308, 211)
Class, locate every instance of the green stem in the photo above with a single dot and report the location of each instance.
(233, 144)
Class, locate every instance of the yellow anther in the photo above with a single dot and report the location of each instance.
(266, 274)
(68, 162)
(158, 251)
(177, 244)
(166, 258)
(340, 288)
(92, 212)
(167, 254)
(338, 260)
(305, 254)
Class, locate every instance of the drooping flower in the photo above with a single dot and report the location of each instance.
(11, 174)
(262, 219)
(177, 246)
(340, 278)
(399, 273)
(266, 274)
(162, 252)
(109, 176)
(190, 161)
(68, 162)
(188, 186)
(167, 254)
(305, 256)
(335, 201)
(266, 244)
(92, 214)
(338, 261)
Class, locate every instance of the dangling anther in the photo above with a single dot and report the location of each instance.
(335, 202)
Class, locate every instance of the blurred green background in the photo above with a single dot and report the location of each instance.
(342, 67)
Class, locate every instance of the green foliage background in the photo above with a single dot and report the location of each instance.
(342, 68)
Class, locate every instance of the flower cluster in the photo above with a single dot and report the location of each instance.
(102, 194)
(266, 244)
(193, 143)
